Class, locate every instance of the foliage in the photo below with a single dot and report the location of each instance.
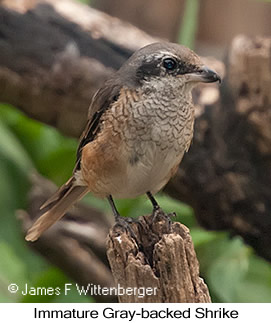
(85, 1)
(231, 269)
(21, 140)
(189, 23)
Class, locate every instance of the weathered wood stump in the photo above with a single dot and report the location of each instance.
(163, 259)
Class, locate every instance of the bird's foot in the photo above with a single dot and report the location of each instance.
(158, 213)
(125, 223)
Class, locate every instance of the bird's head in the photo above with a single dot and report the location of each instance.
(168, 64)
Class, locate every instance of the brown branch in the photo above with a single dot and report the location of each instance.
(160, 18)
(162, 260)
(54, 56)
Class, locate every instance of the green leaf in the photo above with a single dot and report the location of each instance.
(15, 167)
(190, 23)
(12, 150)
(58, 165)
(52, 154)
(184, 212)
(50, 287)
(12, 271)
(256, 287)
(201, 237)
(229, 270)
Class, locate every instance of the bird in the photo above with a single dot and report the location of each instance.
(140, 124)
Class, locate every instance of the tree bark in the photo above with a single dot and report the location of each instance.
(227, 172)
(161, 260)
(55, 55)
(157, 17)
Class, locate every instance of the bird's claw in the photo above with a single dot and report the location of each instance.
(125, 223)
(159, 213)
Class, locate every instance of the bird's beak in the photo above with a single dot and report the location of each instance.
(205, 75)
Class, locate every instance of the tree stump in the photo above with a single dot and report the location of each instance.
(162, 260)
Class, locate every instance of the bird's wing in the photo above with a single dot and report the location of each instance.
(71, 192)
(102, 100)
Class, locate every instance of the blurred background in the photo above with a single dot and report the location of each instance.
(208, 26)
(230, 268)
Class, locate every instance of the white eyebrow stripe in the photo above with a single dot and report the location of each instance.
(169, 54)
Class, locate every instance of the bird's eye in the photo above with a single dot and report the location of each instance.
(170, 64)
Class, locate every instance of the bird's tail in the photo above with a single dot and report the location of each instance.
(58, 204)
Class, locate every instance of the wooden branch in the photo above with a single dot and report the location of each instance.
(153, 20)
(162, 261)
(54, 55)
